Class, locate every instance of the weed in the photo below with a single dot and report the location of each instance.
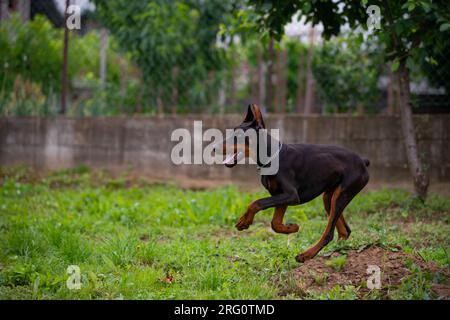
(337, 263)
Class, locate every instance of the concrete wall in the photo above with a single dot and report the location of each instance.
(144, 145)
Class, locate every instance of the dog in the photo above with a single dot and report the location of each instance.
(305, 171)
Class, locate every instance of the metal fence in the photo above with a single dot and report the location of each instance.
(190, 72)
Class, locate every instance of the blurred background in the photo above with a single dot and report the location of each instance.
(179, 57)
(136, 70)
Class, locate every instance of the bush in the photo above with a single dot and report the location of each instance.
(31, 64)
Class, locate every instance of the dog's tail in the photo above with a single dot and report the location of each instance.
(366, 162)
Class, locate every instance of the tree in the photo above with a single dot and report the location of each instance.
(269, 76)
(30, 70)
(408, 30)
(281, 88)
(173, 42)
(347, 73)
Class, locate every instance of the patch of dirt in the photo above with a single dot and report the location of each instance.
(320, 274)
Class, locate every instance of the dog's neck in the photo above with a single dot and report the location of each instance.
(266, 142)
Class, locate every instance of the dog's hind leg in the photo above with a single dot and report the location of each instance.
(277, 222)
(347, 228)
(339, 201)
(341, 226)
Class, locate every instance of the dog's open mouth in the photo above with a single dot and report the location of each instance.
(232, 159)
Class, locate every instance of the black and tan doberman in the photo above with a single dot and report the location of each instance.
(305, 172)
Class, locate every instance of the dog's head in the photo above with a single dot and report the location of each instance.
(240, 142)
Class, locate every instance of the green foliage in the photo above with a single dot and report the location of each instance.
(295, 49)
(337, 263)
(122, 81)
(320, 278)
(175, 45)
(415, 30)
(31, 64)
(347, 73)
(32, 50)
(418, 286)
(186, 52)
(338, 293)
(345, 69)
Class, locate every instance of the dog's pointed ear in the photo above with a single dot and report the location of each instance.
(254, 114)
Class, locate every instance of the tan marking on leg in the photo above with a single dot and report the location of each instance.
(247, 218)
(277, 222)
(342, 230)
(312, 251)
(340, 224)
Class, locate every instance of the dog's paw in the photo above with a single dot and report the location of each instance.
(343, 237)
(285, 228)
(302, 257)
(292, 228)
(243, 223)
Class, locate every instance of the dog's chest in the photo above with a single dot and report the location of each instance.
(271, 184)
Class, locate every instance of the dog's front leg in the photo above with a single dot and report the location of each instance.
(277, 222)
(287, 198)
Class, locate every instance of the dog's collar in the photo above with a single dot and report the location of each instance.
(270, 159)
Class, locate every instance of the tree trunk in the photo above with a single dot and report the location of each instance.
(396, 95)
(4, 10)
(254, 84)
(360, 109)
(64, 80)
(254, 87)
(300, 94)
(103, 56)
(23, 7)
(261, 91)
(310, 96)
(222, 98)
(123, 85)
(159, 104)
(284, 84)
(174, 98)
(390, 94)
(232, 99)
(269, 89)
(310, 85)
(277, 81)
(420, 177)
(281, 80)
(138, 106)
(421, 180)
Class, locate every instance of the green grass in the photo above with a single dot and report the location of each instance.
(127, 240)
(337, 263)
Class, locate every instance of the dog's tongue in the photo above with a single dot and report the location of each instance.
(230, 158)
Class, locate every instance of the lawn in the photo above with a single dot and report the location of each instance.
(136, 240)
